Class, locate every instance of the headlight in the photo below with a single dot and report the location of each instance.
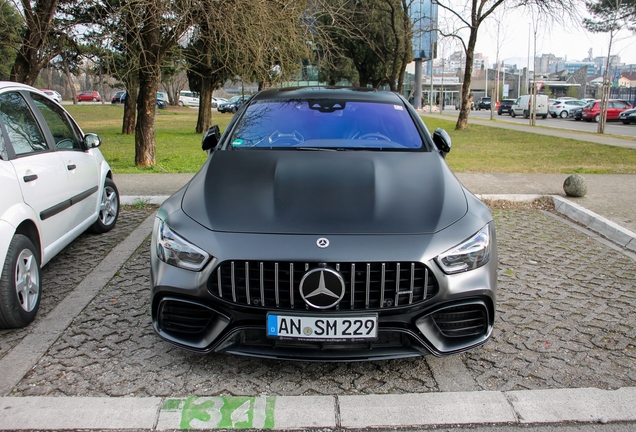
(468, 255)
(178, 252)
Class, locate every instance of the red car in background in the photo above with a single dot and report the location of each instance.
(592, 111)
(89, 96)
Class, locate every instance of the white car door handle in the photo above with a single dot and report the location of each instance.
(29, 178)
(71, 167)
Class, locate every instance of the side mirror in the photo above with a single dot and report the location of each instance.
(211, 138)
(442, 141)
(92, 140)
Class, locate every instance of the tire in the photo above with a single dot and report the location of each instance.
(544, 117)
(94, 99)
(20, 284)
(499, 112)
(597, 117)
(525, 114)
(553, 115)
(626, 122)
(181, 103)
(512, 114)
(577, 119)
(564, 114)
(108, 209)
(234, 110)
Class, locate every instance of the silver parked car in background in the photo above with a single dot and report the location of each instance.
(324, 226)
(564, 107)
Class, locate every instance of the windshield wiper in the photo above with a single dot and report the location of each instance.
(317, 148)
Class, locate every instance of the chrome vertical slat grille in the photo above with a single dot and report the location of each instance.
(368, 285)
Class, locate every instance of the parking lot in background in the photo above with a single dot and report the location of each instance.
(611, 127)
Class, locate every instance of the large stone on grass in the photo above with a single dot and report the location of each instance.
(575, 186)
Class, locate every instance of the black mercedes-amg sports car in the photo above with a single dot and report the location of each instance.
(325, 225)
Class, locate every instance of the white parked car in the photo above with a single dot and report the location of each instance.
(55, 185)
(563, 107)
(216, 101)
(53, 95)
(188, 98)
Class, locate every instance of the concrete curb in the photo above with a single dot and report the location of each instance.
(596, 223)
(281, 412)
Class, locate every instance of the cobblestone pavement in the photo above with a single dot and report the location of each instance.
(70, 266)
(565, 319)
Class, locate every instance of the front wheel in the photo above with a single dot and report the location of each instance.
(20, 284)
(597, 118)
(525, 114)
(108, 208)
(626, 122)
(564, 114)
(512, 114)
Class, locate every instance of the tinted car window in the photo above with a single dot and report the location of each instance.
(63, 132)
(3, 148)
(326, 124)
(23, 130)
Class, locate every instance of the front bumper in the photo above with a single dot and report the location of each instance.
(188, 311)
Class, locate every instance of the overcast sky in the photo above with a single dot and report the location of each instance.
(569, 40)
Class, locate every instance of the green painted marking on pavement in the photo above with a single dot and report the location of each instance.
(172, 404)
(227, 412)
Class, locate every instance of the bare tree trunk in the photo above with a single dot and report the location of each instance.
(145, 128)
(130, 105)
(204, 118)
(606, 89)
(149, 78)
(69, 82)
(466, 96)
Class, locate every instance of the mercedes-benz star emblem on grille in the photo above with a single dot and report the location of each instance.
(322, 288)
(322, 242)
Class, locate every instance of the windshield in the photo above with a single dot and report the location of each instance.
(328, 124)
(235, 98)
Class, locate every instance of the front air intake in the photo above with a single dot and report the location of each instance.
(183, 317)
(462, 321)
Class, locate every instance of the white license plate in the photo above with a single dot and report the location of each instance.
(322, 328)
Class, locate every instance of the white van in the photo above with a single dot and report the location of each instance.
(188, 98)
(522, 106)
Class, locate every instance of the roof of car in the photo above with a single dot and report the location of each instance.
(9, 84)
(340, 93)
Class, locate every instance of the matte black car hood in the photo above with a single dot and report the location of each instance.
(325, 192)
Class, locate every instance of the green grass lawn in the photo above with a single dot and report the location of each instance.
(475, 149)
